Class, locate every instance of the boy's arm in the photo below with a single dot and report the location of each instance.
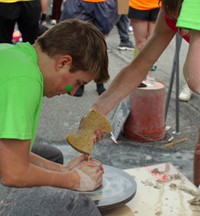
(19, 169)
(16, 168)
(42, 162)
(133, 74)
(47, 164)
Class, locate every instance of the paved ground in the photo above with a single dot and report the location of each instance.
(61, 116)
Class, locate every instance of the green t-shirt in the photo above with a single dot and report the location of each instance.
(189, 17)
(21, 91)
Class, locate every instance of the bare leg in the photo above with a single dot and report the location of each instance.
(44, 9)
(140, 28)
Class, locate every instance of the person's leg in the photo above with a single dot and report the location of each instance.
(100, 88)
(196, 166)
(79, 91)
(45, 201)
(141, 32)
(151, 26)
(122, 27)
(139, 21)
(44, 10)
(28, 21)
(76, 9)
(9, 13)
(94, 13)
(48, 152)
(56, 11)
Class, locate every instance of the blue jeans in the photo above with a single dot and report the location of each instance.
(122, 27)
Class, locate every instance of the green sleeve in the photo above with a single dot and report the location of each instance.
(189, 17)
(20, 108)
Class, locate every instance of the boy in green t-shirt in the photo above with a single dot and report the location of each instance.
(59, 61)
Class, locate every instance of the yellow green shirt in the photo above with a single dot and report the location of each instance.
(21, 92)
(13, 1)
(189, 17)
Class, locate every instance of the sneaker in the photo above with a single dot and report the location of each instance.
(100, 88)
(79, 92)
(53, 22)
(142, 85)
(126, 46)
(153, 68)
(185, 94)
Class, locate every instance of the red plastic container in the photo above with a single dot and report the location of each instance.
(16, 37)
(146, 121)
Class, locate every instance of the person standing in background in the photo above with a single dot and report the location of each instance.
(26, 14)
(142, 15)
(100, 13)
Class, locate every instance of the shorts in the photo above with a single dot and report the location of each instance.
(100, 14)
(146, 15)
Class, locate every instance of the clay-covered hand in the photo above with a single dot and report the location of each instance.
(89, 176)
(76, 161)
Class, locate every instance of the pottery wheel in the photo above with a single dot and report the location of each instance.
(117, 189)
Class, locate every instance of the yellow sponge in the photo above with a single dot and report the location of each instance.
(82, 139)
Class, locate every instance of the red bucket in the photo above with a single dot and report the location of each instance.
(146, 121)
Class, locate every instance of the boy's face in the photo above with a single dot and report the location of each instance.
(75, 80)
(57, 76)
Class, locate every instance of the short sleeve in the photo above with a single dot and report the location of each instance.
(189, 17)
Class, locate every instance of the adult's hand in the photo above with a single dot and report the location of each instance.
(99, 133)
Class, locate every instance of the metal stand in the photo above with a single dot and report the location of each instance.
(175, 70)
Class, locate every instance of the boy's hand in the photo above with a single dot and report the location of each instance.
(76, 162)
(89, 176)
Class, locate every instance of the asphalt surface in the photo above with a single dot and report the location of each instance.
(61, 115)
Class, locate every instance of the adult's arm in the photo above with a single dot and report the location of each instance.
(19, 169)
(134, 73)
(192, 64)
(189, 19)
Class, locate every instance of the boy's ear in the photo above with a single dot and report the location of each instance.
(64, 61)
